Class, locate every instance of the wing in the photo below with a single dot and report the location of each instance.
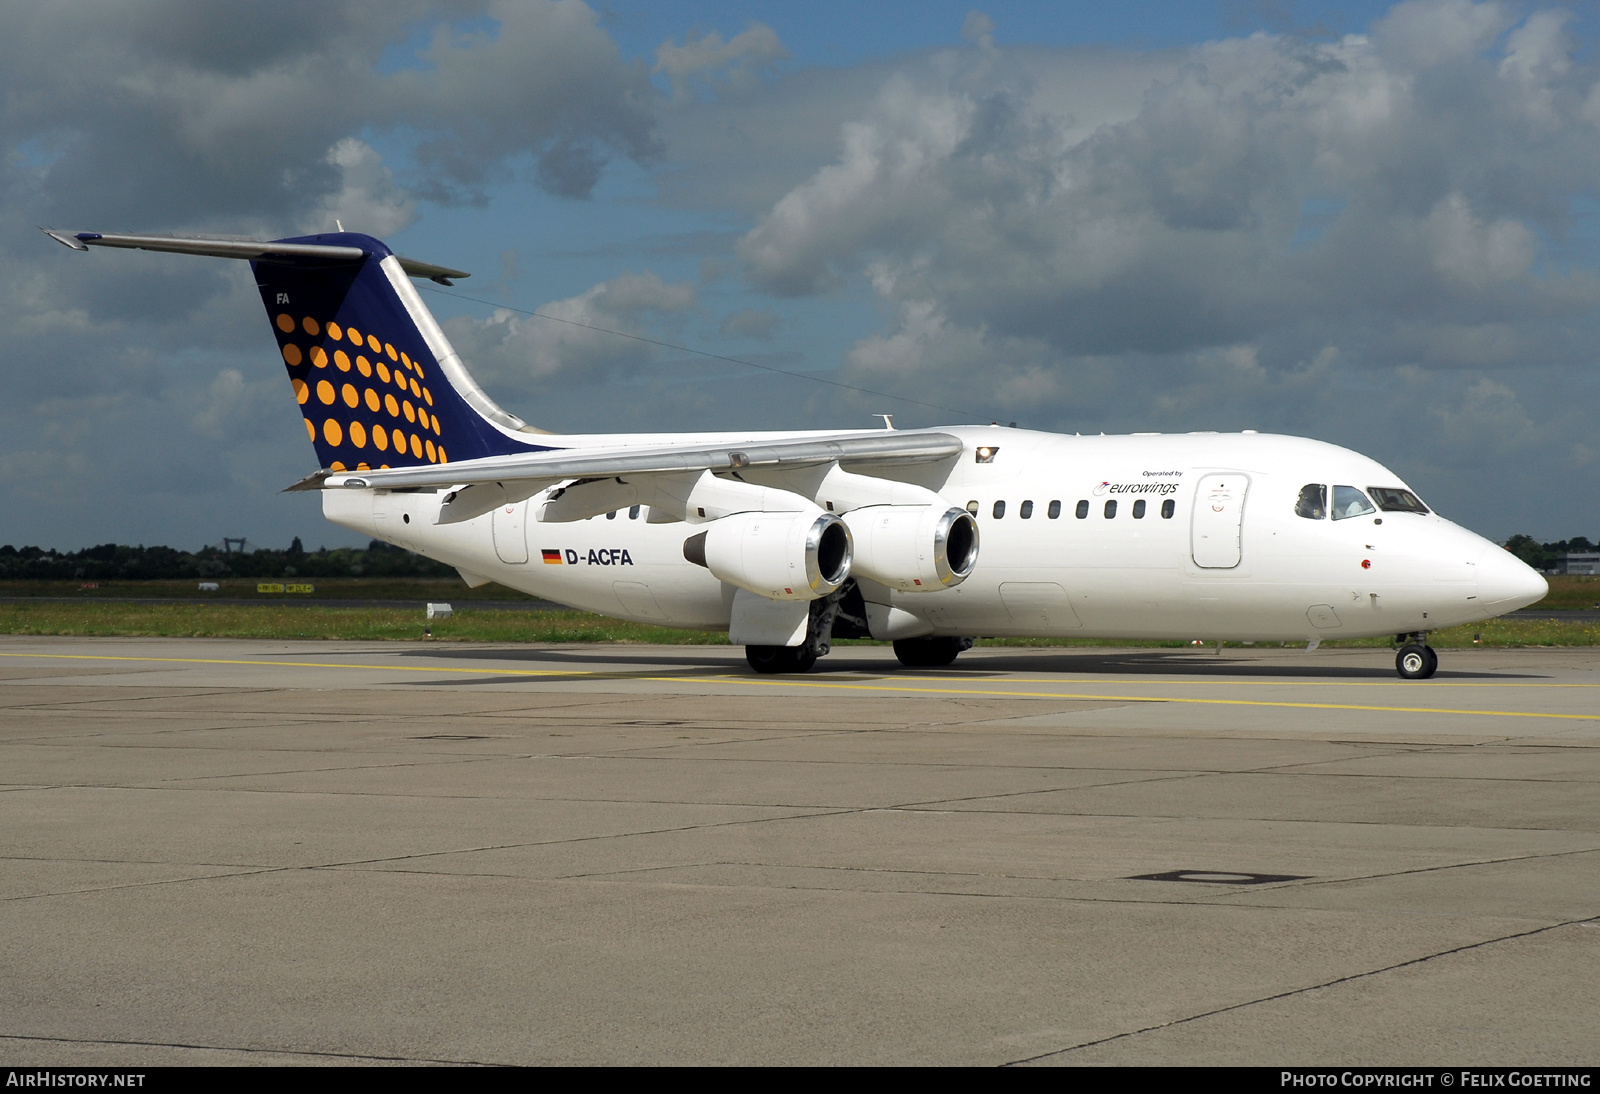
(477, 486)
(879, 446)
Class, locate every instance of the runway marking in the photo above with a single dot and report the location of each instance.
(1298, 683)
(905, 688)
(1007, 694)
(305, 664)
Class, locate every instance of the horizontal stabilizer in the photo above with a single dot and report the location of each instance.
(252, 249)
(900, 446)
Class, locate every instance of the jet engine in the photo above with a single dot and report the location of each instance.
(782, 556)
(913, 548)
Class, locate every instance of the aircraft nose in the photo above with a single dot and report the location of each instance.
(1506, 583)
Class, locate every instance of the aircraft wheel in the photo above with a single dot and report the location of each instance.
(777, 659)
(928, 653)
(1416, 662)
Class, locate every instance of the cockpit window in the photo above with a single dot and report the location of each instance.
(1350, 502)
(1392, 499)
(1313, 503)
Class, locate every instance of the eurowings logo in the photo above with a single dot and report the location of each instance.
(1160, 489)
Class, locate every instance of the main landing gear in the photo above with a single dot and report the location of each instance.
(843, 614)
(1416, 660)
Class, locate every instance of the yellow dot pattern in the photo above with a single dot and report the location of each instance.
(406, 374)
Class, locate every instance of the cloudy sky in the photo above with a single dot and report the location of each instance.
(1374, 224)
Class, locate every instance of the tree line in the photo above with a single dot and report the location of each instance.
(1545, 556)
(120, 562)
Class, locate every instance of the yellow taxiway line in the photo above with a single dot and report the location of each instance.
(299, 664)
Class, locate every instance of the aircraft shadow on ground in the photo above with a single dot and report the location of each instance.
(693, 662)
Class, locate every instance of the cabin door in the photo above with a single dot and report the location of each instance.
(510, 534)
(1219, 520)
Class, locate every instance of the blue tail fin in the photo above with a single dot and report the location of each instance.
(376, 380)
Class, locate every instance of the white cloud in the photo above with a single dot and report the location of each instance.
(735, 64)
(368, 199)
(585, 335)
(1423, 34)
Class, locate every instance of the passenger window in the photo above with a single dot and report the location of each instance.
(999, 509)
(1168, 507)
(972, 506)
(1083, 508)
(611, 515)
(1138, 509)
(1313, 503)
(1026, 511)
(1055, 510)
(1350, 502)
(633, 512)
(1391, 499)
(1111, 509)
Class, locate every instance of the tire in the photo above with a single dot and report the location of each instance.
(1416, 662)
(927, 653)
(771, 660)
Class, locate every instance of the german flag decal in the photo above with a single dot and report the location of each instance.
(551, 558)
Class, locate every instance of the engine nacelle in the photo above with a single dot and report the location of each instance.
(782, 556)
(914, 548)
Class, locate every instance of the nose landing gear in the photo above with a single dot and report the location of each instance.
(1416, 659)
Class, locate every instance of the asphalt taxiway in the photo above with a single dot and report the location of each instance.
(263, 852)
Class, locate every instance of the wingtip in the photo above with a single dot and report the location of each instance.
(66, 240)
(313, 481)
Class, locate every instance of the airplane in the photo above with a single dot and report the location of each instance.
(788, 540)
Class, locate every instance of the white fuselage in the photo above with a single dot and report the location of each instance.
(1233, 560)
